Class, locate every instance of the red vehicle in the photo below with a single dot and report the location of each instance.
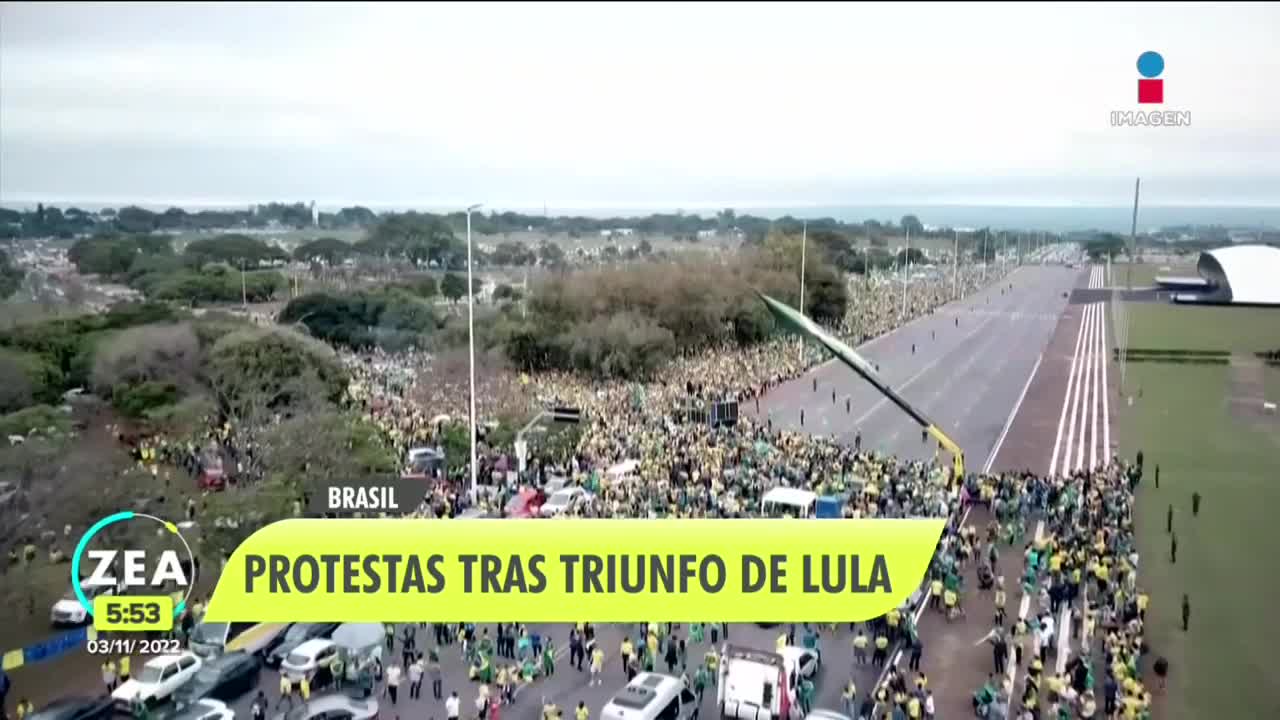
(525, 504)
(211, 476)
(211, 479)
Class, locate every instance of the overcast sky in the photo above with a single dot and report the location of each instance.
(634, 105)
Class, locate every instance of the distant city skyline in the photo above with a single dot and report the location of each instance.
(696, 105)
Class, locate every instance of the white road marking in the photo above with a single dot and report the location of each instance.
(1066, 400)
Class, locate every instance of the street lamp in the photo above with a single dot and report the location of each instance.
(471, 341)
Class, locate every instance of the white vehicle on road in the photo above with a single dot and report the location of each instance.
(564, 501)
(309, 659)
(157, 680)
(801, 663)
(69, 611)
(755, 685)
(205, 709)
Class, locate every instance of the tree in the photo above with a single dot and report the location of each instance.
(392, 320)
(644, 247)
(506, 292)
(512, 253)
(10, 276)
(913, 256)
(328, 250)
(307, 453)
(550, 254)
(419, 238)
(912, 224)
(453, 287)
(257, 373)
(164, 354)
(827, 296)
(238, 251)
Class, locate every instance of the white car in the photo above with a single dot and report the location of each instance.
(69, 611)
(205, 709)
(157, 680)
(802, 660)
(563, 502)
(309, 658)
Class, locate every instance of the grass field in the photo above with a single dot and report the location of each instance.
(1221, 667)
(1188, 327)
(1144, 274)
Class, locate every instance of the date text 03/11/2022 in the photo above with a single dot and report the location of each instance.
(133, 646)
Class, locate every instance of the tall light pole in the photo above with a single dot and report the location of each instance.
(804, 243)
(985, 233)
(955, 269)
(471, 341)
(906, 271)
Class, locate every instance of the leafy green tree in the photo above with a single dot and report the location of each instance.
(453, 287)
(912, 224)
(329, 250)
(238, 251)
(550, 254)
(10, 276)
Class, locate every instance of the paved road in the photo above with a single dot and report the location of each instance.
(971, 361)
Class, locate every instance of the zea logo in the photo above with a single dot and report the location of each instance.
(1150, 92)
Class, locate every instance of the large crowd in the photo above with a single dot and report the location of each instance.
(1085, 559)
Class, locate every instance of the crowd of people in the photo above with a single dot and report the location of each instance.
(1086, 559)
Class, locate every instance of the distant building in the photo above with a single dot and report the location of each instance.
(706, 234)
(1237, 275)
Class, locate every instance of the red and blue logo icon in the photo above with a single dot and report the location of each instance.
(1150, 85)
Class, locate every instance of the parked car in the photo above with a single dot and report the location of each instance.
(333, 707)
(157, 681)
(525, 503)
(312, 659)
(801, 660)
(297, 634)
(563, 502)
(76, 708)
(225, 677)
(204, 709)
(68, 610)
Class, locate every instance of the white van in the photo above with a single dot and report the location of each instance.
(651, 696)
(212, 639)
(788, 502)
(755, 685)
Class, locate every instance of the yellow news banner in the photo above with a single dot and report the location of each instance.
(408, 570)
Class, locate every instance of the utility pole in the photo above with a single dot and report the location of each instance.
(955, 269)
(985, 233)
(1133, 238)
(804, 243)
(906, 259)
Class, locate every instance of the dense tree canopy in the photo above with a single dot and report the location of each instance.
(391, 319)
(10, 276)
(238, 251)
(628, 322)
(327, 250)
(416, 237)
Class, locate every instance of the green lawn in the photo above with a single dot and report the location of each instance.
(1144, 274)
(1188, 327)
(1221, 668)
